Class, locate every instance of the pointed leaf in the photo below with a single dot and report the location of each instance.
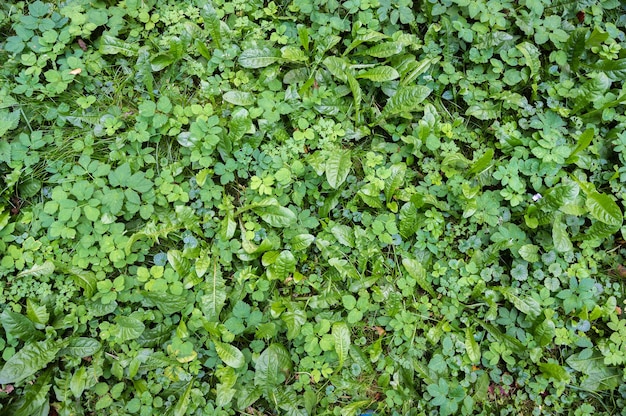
(561, 240)
(239, 98)
(417, 272)
(471, 346)
(128, 328)
(277, 216)
(215, 295)
(18, 326)
(405, 100)
(258, 57)
(379, 74)
(603, 208)
(301, 241)
(30, 359)
(341, 336)
(384, 50)
(110, 45)
(230, 354)
(38, 270)
(272, 367)
(338, 167)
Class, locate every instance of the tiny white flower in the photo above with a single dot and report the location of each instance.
(537, 197)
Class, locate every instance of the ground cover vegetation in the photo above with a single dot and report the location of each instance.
(312, 207)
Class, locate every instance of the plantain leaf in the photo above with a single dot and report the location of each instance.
(230, 354)
(531, 56)
(276, 216)
(38, 270)
(239, 98)
(110, 45)
(272, 367)
(341, 336)
(282, 267)
(338, 167)
(212, 302)
(616, 70)
(527, 305)
(405, 100)
(417, 272)
(379, 74)
(258, 57)
(384, 50)
(30, 359)
(471, 346)
(603, 208)
(561, 240)
(128, 328)
(302, 241)
(18, 326)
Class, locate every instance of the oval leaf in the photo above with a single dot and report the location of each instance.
(238, 98)
(406, 100)
(30, 359)
(258, 57)
(380, 74)
(338, 167)
(603, 208)
(230, 354)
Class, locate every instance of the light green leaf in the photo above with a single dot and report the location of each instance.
(384, 50)
(212, 23)
(277, 216)
(603, 208)
(379, 74)
(554, 370)
(343, 234)
(282, 267)
(395, 179)
(258, 57)
(179, 263)
(531, 56)
(166, 302)
(294, 321)
(526, 305)
(128, 328)
(471, 346)
(302, 241)
(417, 272)
(8, 121)
(337, 67)
(110, 45)
(18, 326)
(482, 164)
(341, 336)
(78, 382)
(405, 100)
(38, 270)
(30, 359)
(212, 302)
(338, 167)
(583, 142)
(34, 400)
(239, 98)
(81, 347)
(272, 367)
(230, 354)
(409, 220)
(561, 240)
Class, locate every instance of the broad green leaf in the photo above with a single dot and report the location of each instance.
(294, 321)
(212, 23)
(338, 167)
(258, 57)
(595, 375)
(239, 98)
(30, 359)
(471, 346)
(38, 270)
(337, 67)
(417, 272)
(583, 142)
(183, 401)
(162, 61)
(482, 164)
(485, 110)
(395, 179)
(179, 263)
(544, 332)
(379, 74)
(409, 220)
(512, 343)
(341, 336)
(531, 56)
(127, 328)
(166, 302)
(301, 241)
(230, 354)
(212, 302)
(369, 36)
(384, 50)
(575, 46)
(240, 124)
(283, 266)
(357, 94)
(34, 400)
(18, 326)
(554, 370)
(272, 367)
(614, 69)
(526, 305)
(78, 382)
(37, 313)
(8, 121)
(561, 240)
(110, 45)
(600, 231)
(81, 347)
(603, 208)
(276, 216)
(343, 234)
(405, 100)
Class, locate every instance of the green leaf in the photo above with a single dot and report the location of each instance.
(379, 74)
(212, 23)
(30, 359)
(595, 375)
(34, 400)
(258, 57)
(239, 98)
(84, 279)
(179, 263)
(417, 272)
(409, 220)
(8, 121)
(81, 347)
(561, 240)
(575, 47)
(166, 302)
(283, 266)
(526, 305)
(128, 328)
(554, 370)
(78, 382)
(482, 164)
(18, 326)
(294, 321)
(616, 70)
(212, 302)
(337, 67)
(38, 270)
(405, 100)
(531, 56)
(471, 346)
(395, 179)
(301, 241)
(110, 45)
(230, 354)
(277, 216)
(343, 234)
(583, 142)
(272, 367)
(384, 50)
(338, 167)
(604, 209)
(341, 336)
